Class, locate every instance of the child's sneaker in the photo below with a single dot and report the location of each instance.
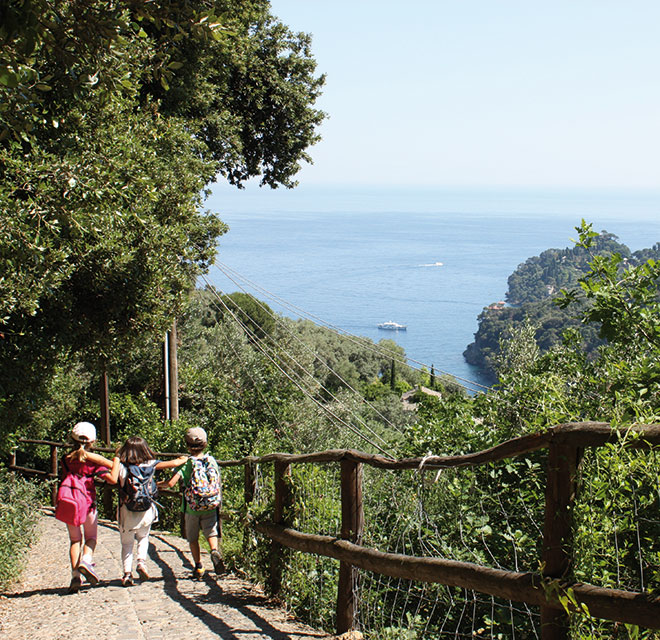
(88, 570)
(127, 580)
(75, 585)
(142, 571)
(198, 572)
(218, 562)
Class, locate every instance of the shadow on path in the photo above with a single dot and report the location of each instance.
(240, 603)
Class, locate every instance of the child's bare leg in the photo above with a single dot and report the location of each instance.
(74, 554)
(213, 542)
(75, 547)
(90, 547)
(90, 528)
(196, 552)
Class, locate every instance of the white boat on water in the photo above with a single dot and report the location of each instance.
(392, 326)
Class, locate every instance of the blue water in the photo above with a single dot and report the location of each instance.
(358, 257)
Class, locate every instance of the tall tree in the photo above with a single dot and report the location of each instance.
(114, 116)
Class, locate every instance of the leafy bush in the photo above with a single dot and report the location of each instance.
(18, 519)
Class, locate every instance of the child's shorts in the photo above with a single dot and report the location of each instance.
(207, 522)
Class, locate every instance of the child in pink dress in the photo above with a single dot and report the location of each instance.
(83, 462)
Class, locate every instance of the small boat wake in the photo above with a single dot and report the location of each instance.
(432, 264)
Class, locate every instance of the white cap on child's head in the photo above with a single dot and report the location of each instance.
(195, 437)
(84, 432)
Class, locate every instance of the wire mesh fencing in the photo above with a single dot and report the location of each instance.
(491, 515)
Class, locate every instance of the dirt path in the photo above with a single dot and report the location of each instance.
(170, 606)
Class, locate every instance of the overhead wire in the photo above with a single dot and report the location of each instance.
(362, 342)
(311, 375)
(255, 338)
(316, 355)
(223, 268)
(323, 407)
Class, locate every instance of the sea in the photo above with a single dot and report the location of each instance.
(428, 258)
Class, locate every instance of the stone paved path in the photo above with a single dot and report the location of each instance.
(170, 606)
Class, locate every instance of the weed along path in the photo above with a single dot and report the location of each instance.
(169, 606)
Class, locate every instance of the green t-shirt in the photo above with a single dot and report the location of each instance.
(186, 472)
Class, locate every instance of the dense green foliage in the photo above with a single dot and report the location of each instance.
(114, 116)
(20, 501)
(534, 289)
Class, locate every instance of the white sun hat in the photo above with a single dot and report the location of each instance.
(84, 432)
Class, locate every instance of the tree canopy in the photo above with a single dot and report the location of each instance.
(114, 117)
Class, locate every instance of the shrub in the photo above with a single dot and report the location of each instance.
(18, 519)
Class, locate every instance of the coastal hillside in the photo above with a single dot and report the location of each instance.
(534, 289)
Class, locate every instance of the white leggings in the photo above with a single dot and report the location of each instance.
(128, 538)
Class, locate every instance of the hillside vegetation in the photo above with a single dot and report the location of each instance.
(534, 296)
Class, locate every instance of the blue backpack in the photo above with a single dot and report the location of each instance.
(139, 490)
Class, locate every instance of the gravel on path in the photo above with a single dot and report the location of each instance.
(168, 606)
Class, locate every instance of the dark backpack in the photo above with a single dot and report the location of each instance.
(73, 498)
(139, 490)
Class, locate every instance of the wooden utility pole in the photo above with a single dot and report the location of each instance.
(166, 379)
(104, 398)
(173, 372)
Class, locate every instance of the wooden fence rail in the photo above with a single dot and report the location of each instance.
(565, 444)
(53, 473)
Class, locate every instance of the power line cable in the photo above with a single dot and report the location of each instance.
(311, 375)
(286, 374)
(312, 352)
(382, 350)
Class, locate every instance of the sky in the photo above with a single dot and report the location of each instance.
(490, 93)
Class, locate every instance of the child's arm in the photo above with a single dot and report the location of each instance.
(171, 464)
(168, 484)
(113, 476)
(95, 458)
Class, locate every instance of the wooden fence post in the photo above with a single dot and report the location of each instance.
(54, 471)
(249, 491)
(352, 524)
(283, 504)
(249, 482)
(560, 491)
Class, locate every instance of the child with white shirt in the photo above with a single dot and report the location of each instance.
(133, 468)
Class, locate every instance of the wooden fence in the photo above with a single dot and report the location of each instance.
(565, 444)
